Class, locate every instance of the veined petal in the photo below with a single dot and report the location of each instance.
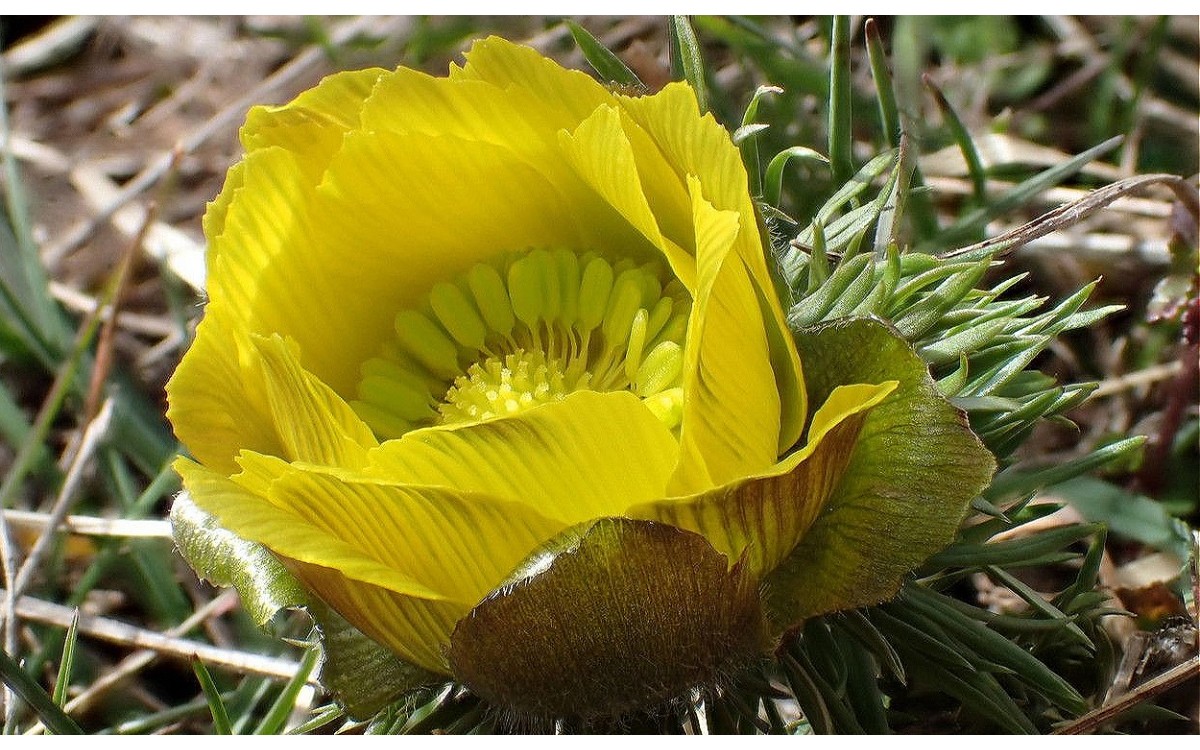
(413, 629)
(217, 403)
(409, 101)
(698, 145)
(588, 456)
(287, 534)
(383, 239)
(603, 157)
(731, 405)
(763, 516)
(457, 542)
(314, 423)
(312, 124)
(573, 95)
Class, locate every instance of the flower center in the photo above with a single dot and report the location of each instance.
(527, 330)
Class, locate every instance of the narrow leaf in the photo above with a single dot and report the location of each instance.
(216, 705)
(889, 113)
(773, 184)
(606, 64)
(686, 61)
(55, 719)
(285, 703)
(63, 680)
(975, 220)
(841, 134)
(963, 138)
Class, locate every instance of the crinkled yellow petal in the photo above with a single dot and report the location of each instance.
(287, 533)
(588, 456)
(215, 405)
(569, 94)
(409, 101)
(764, 515)
(603, 157)
(312, 124)
(314, 423)
(412, 617)
(458, 542)
(699, 146)
(731, 406)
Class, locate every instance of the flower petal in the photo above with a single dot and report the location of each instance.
(571, 94)
(602, 155)
(312, 124)
(314, 424)
(216, 401)
(587, 456)
(731, 403)
(383, 239)
(698, 145)
(762, 517)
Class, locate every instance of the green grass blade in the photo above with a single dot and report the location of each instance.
(55, 719)
(321, 717)
(63, 680)
(889, 113)
(606, 64)
(841, 132)
(277, 715)
(962, 137)
(1013, 552)
(745, 137)
(216, 705)
(1013, 483)
(773, 184)
(686, 61)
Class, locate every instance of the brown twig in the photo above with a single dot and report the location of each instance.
(108, 329)
(1075, 212)
(1176, 675)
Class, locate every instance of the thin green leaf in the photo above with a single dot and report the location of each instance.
(773, 183)
(55, 719)
(965, 143)
(216, 705)
(807, 695)
(986, 643)
(285, 703)
(841, 134)
(812, 309)
(858, 624)
(1012, 552)
(321, 717)
(1016, 482)
(1037, 603)
(606, 64)
(65, 665)
(889, 113)
(744, 137)
(686, 61)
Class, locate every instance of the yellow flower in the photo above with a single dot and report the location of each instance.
(453, 322)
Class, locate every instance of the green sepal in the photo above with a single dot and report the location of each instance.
(360, 674)
(914, 471)
(611, 617)
(225, 559)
